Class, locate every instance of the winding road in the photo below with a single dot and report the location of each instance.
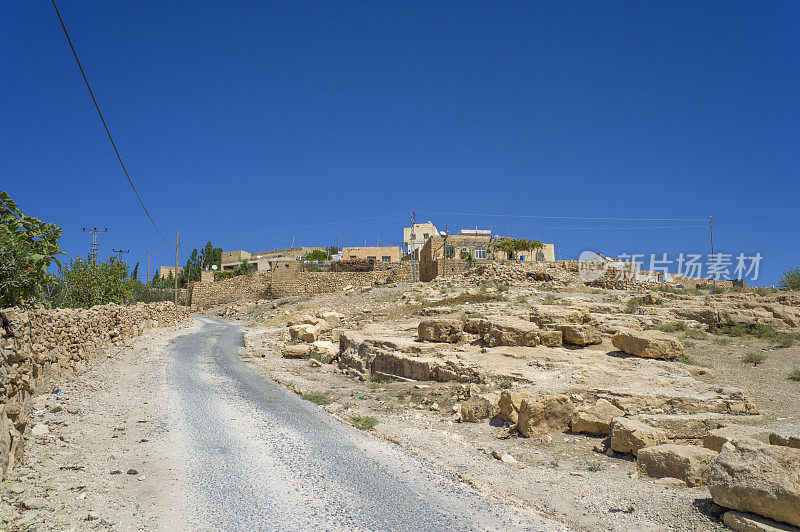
(256, 456)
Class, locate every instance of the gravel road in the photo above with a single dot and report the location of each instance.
(256, 456)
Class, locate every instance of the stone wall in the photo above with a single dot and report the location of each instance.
(40, 345)
(261, 285)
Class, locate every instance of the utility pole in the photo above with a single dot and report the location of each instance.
(713, 260)
(337, 242)
(379, 241)
(177, 239)
(148, 266)
(413, 251)
(121, 251)
(444, 247)
(94, 231)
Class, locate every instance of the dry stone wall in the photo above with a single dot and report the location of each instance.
(253, 286)
(40, 345)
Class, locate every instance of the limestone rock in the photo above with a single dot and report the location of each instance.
(785, 437)
(689, 463)
(304, 332)
(595, 419)
(296, 351)
(476, 408)
(629, 435)
(541, 414)
(477, 326)
(754, 477)
(744, 522)
(547, 315)
(512, 331)
(716, 438)
(685, 426)
(440, 330)
(40, 430)
(580, 335)
(648, 344)
(510, 405)
(325, 350)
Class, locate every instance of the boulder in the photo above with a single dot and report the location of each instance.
(477, 326)
(785, 437)
(513, 332)
(744, 522)
(551, 338)
(716, 438)
(334, 319)
(595, 419)
(40, 430)
(304, 332)
(685, 426)
(510, 405)
(629, 435)
(296, 351)
(541, 414)
(476, 408)
(579, 335)
(754, 477)
(689, 463)
(648, 344)
(325, 350)
(549, 315)
(440, 330)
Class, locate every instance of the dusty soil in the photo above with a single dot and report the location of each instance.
(559, 474)
(106, 461)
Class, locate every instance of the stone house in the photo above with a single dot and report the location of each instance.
(376, 253)
(422, 232)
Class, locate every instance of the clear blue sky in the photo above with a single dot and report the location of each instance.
(245, 123)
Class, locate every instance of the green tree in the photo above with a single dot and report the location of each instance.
(28, 246)
(790, 280)
(316, 255)
(135, 274)
(513, 246)
(211, 256)
(92, 283)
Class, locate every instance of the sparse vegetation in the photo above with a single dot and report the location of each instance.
(757, 330)
(688, 360)
(364, 422)
(754, 357)
(790, 280)
(549, 299)
(595, 466)
(318, 398)
(794, 375)
(632, 305)
(672, 327)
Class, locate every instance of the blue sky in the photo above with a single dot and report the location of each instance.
(252, 124)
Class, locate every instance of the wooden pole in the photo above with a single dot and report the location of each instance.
(713, 262)
(148, 267)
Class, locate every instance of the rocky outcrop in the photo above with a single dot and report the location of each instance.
(516, 332)
(629, 435)
(579, 335)
(441, 330)
(785, 437)
(688, 463)
(595, 419)
(550, 315)
(648, 344)
(477, 408)
(760, 478)
(510, 405)
(716, 438)
(540, 414)
(744, 522)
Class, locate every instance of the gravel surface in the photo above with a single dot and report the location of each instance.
(255, 456)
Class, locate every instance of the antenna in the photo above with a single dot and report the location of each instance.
(94, 231)
(121, 251)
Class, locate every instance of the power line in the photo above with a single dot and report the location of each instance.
(572, 217)
(113, 144)
(612, 228)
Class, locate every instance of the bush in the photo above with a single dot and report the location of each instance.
(28, 246)
(91, 283)
(317, 398)
(790, 280)
(754, 357)
(364, 422)
(672, 327)
(758, 330)
(632, 305)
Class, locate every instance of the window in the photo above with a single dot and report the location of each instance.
(371, 258)
(539, 256)
(480, 253)
(425, 236)
(449, 252)
(386, 258)
(353, 257)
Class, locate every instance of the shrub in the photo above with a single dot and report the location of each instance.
(697, 334)
(632, 305)
(758, 330)
(672, 327)
(549, 299)
(317, 398)
(364, 422)
(790, 280)
(595, 466)
(504, 384)
(92, 283)
(754, 357)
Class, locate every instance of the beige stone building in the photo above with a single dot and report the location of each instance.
(376, 253)
(422, 232)
(261, 259)
(164, 271)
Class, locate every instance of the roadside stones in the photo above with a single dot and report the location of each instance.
(476, 408)
(304, 332)
(629, 435)
(754, 477)
(689, 463)
(40, 430)
(440, 330)
(296, 351)
(595, 419)
(541, 414)
(716, 438)
(579, 335)
(648, 344)
(744, 522)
